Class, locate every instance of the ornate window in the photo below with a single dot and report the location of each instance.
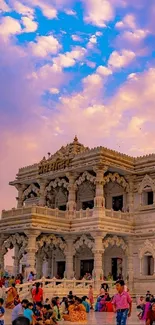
(146, 190)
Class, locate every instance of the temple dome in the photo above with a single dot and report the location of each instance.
(70, 150)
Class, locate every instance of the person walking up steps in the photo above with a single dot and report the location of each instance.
(122, 303)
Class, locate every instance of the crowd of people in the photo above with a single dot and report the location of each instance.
(39, 312)
(146, 308)
(70, 308)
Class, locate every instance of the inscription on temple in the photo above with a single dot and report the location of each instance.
(53, 165)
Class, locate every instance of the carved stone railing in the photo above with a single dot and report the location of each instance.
(56, 287)
(119, 215)
(81, 214)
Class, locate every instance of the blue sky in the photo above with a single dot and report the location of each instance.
(74, 67)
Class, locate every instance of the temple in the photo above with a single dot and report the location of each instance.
(82, 211)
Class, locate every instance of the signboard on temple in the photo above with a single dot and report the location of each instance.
(47, 166)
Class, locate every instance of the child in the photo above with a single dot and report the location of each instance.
(85, 304)
(49, 316)
(91, 296)
(38, 312)
(2, 311)
(28, 312)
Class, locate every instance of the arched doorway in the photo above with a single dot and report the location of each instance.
(50, 257)
(84, 257)
(115, 257)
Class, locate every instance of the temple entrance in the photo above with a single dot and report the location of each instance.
(86, 266)
(61, 269)
(116, 267)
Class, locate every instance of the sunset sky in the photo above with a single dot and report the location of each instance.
(69, 67)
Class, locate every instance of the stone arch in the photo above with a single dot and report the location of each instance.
(32, 188)
(146, 183)
(83, 240)
(85, 190)
(148, 247)
(115, 177)
(57, 192)
(57, 183)
(115, 240)
(85, 176)
(51, 239)
(61, 197)
(13, 240)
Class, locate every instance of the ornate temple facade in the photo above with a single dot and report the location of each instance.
(83, 211)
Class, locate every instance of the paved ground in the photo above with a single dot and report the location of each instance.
(93, 319)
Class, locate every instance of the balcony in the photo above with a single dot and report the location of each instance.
(46, 219)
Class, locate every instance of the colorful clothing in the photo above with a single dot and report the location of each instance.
(57, 312)
(121, 317)
(11, 295)
(28, 313)
(77, 314)
(17, 311)
(37, 297)
(147, 307)
(151, 317)
(86, 305)
(122, 301)
(91, 296)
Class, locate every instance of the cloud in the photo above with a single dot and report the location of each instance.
(3, 6)
(121, 59)
(9, 26)
(128, 22)
(135, 36)
(30, 25)
(44, 46)
(98, 12)
(70, 12)
(69, 59)
(54, 91)
(48, 10)
(76, 38)
(104, 71)
(22, 9)
(92, 42)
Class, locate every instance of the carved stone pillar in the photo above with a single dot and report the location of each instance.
(130, 194)
(69, 253)
(31, 250)
(99, 200)
(71, 204)
(141, 265)
(140, 199)
(16, 260)
(49, 267)
(2, 252)
(42, 200)
(130, 263)
(98, 255)
(39, 266)
(20, 188)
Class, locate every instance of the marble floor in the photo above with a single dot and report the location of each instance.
(93, 319)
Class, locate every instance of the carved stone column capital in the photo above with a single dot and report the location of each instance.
(100, 170)
(98, 234)
(32, 233)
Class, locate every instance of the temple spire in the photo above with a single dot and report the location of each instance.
(76, 139)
